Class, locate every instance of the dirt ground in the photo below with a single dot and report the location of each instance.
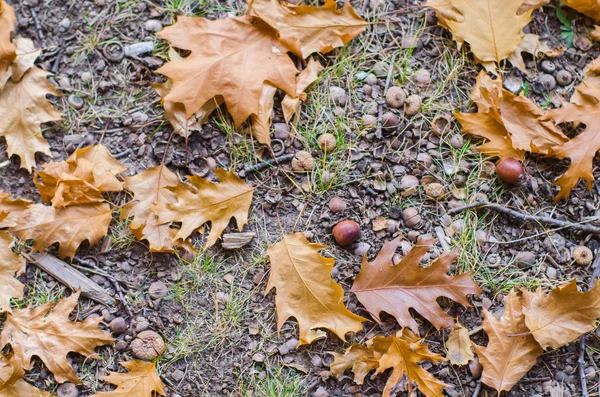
(211, 308)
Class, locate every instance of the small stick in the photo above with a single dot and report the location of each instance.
(477, 389)
(582, 349)
(124, 153)
(528, 218)
(381, 101)
(38, 25)
(269, 163)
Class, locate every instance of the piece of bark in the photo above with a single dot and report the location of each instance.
(71, 277)
(234, 241)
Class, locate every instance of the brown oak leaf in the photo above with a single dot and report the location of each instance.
(232, 58)
(68, 226)
(47, 332)
(308, 29)
(10, 206)
(401, 352)
(306, 291)
(141, 381)
(11, 265)
(591, 8)
(511, 351)
(291, 106)
(561, 316)
(8, 50)
(261, 121)
(23, 107)
(12, 383)
(382, 287)
(211, 202)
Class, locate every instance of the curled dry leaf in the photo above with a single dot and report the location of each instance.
(11, 265)
(261, 121)
(47, 332)
(511, 351)
(231, 58)
(492, 29)
(12, 383)
(68, 226)
(308, 29)
(141, 381)
(561, 316)
(381, 287)
(151, 187)
(401, 352)
(291, 106)
(459, 345)
(306, 291)
(23, 107)
(212, 202)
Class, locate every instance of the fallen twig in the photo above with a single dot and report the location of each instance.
(268, 163)
(582, 349)
(381, 101)
(38, 25)
(529, 218)
(477, 389)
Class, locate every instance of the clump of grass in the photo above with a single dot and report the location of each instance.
(278, 382)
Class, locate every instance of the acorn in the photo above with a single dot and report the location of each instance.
(346, 232)
(583, 255)
(510, 170)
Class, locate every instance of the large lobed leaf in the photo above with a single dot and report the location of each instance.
(382, 287)
(47, 332)
(11, 380)
(8, 50)
(306, 291)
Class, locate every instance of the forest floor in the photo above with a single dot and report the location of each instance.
(211, 308)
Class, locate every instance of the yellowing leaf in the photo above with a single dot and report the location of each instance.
(401, 352)
(231, 58)
(493, 29)
(459, 345)
(511, 351)
(9, 206)
(151, 187)
(591, 8)
(306, 291)
(47, 332)
(563, 315)
(23, 107)
(308, 29)
(213, 202)
(26, 56)
(291, 105)
(69, 226)
(141, 381)
(381, 287)
(11, 265)
(11, 380)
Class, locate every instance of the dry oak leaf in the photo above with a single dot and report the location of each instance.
(80, 179)
(588, 91)
(306, 291)
(291, 106)
(308, 29)
(261, 121)
(11, 380)
(10, 206)
(231, 58)
(23, 107)
(150, 187)
(591, 8)
(511, 351)
(212, 202)
(382, 287)
(493, 29)
(401, 352)
(68, 226)
(47, 332)
(11, 265)
(141, 381)
(8, 50)
(26, 56)
(459, 345)
(561, 316)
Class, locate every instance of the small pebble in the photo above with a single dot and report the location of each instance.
(86, 77)
(371, 79)
(118, 325)
(153, 25)
(65, 23)
(258, 357)
(281, 131)
(361, 248)
(76, 101)
(336, 205)
(67, 390)
(551, 273)
(337, 95)
(158, 290)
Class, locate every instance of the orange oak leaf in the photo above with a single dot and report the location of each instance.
(47, 332)
(561, 316)
(401, 352)
(10, 206)
(261, 121)
(68, 226)
(459, 345)
(381, 287)
(306, 291)
(511, 351)
(11, 380)
(26, 56)
(494, 30)
(308, 29)
(212, 202)
(23, 107)
(291, 106)
(11, 265)
(231, 58)
(591, 8)
(141, 381)
(151, 187)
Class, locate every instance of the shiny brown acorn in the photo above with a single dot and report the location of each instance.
(346, 232)
(510, 170)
